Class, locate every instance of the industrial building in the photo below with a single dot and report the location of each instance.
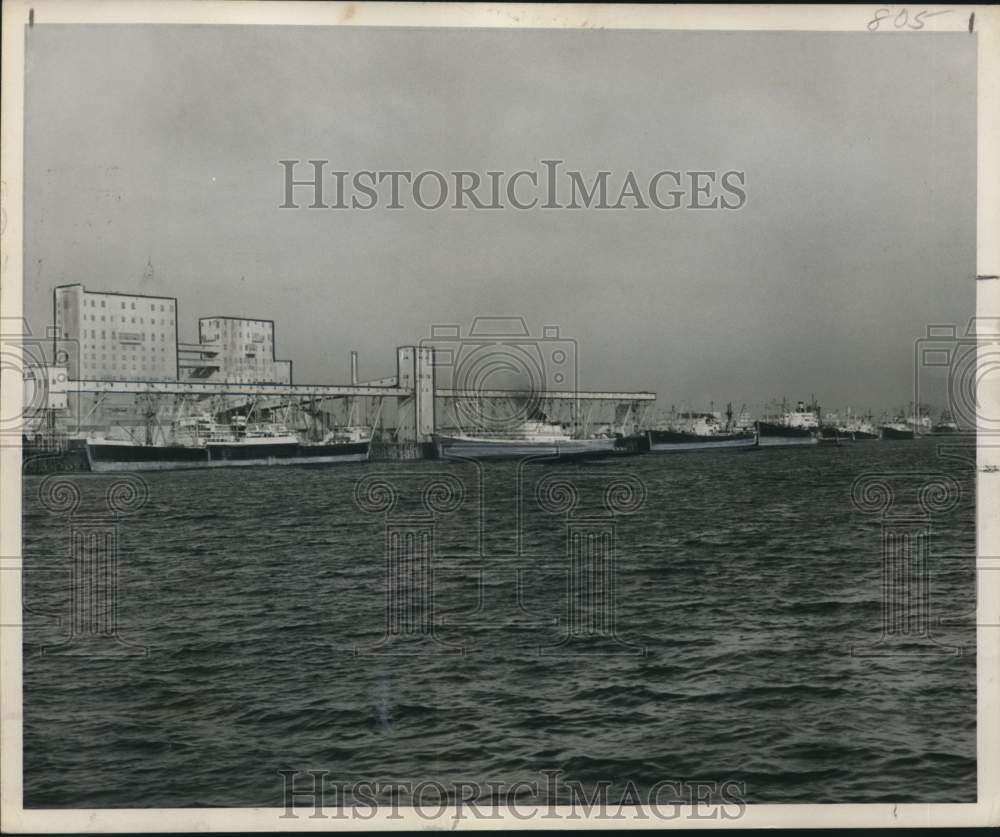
(120, 373)
(234, 350)
(115, 336)
(111, 336)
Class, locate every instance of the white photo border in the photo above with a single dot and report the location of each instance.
(981, 22)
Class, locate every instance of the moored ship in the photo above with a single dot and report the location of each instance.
(828, 435)
(895, 431)
(858, 429)
(530, 438)
(920, 422)
(945, 425)
(699, 432)
(200, 442)
(794, 427)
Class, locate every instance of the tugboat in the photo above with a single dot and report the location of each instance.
(795, 427)
(532, 437)
(699, 431)
(201, 442)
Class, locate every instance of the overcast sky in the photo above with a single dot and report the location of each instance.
(161, 145)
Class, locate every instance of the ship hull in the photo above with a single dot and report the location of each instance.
(110, 458)
(858, 436)
(892, 434)
(675, 441)
(776, 435)
(828, 436)
(453, 447)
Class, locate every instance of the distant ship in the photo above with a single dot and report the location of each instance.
(829, 429)
(200, 442)
(921, 423)
(699, 431)
(897, 430)
(795, 427)
(945, 425)
(858, 429)
(531, 438)
(828, 435)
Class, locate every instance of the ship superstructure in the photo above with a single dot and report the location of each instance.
(531, 437)
(793, 427)
(699, 431)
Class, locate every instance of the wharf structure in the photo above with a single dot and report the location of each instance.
(119, 367)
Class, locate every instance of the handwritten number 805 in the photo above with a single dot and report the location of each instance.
(901, 19)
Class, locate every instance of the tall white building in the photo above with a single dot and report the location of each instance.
(119, 337)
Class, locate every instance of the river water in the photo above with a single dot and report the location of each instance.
(732, 628)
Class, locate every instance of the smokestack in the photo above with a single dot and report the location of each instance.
(354, 369)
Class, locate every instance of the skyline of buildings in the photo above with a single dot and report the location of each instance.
(135, 337)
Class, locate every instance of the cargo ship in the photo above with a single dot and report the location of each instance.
(858, 429)
(920, 422)
(945, 425)
(828, 435)
(699, 432)
(897, 430)
(200, 442)
(794, 427)
(531, 438)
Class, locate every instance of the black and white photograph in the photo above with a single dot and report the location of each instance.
(499, 416)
